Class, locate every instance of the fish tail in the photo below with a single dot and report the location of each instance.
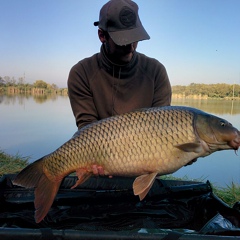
(33, 176)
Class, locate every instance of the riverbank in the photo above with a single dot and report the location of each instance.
(32, 91)
(192, 91)
(13, 164)
(208, 91)
(64, 92)
(201, 97)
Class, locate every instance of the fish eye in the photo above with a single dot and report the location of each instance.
(222, 123)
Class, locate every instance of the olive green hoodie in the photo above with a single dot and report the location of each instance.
(99, 89)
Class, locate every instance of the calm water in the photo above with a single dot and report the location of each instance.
(35, 126)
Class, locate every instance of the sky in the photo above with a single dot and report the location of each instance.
(198, 41)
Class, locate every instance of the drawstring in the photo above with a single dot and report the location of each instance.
(114, 91)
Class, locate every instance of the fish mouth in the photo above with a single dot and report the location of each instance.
(235, 143)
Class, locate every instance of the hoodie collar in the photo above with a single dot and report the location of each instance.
(115, 70)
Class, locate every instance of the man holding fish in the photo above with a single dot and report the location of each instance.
(114, 140)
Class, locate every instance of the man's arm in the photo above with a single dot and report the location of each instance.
(80, 96)
(163, 89)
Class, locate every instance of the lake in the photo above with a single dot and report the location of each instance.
(33, 126)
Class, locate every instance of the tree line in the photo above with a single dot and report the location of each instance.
(219, 90)
(10, 84)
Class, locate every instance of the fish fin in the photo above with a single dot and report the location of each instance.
(30, 175)
(191, 162)
(190, 147)
(82, 175)
(45, 190)
(45, 193)
(142, 184)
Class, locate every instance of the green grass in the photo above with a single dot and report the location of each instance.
(13, 164)
(229, 194)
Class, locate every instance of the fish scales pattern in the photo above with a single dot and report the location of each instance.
(123, 143)
(144, 143)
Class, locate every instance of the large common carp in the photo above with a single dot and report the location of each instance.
(143, 143)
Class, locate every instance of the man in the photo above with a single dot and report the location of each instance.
(117, 79)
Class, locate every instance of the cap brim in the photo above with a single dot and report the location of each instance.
(125, 37)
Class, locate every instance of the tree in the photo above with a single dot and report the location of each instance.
(40, 84)
(7, 80)
(2, 82)
(54, 86)
(21, 81)
(13, 81)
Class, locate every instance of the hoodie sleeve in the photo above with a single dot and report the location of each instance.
(162, 90)
(80, 96)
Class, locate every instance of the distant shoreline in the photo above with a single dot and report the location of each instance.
(33, 91)
(64, 91)
(201, 97)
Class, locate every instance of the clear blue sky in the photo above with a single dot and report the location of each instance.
(197, 40)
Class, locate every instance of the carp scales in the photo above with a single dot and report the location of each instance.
(143, 143)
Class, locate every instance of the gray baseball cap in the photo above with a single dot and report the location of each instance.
(120, 19)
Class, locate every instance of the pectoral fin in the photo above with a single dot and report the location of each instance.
(190, 147)
(82, 175)
(142, 184)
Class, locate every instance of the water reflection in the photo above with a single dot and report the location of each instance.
(219, 107)
(11, 99)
